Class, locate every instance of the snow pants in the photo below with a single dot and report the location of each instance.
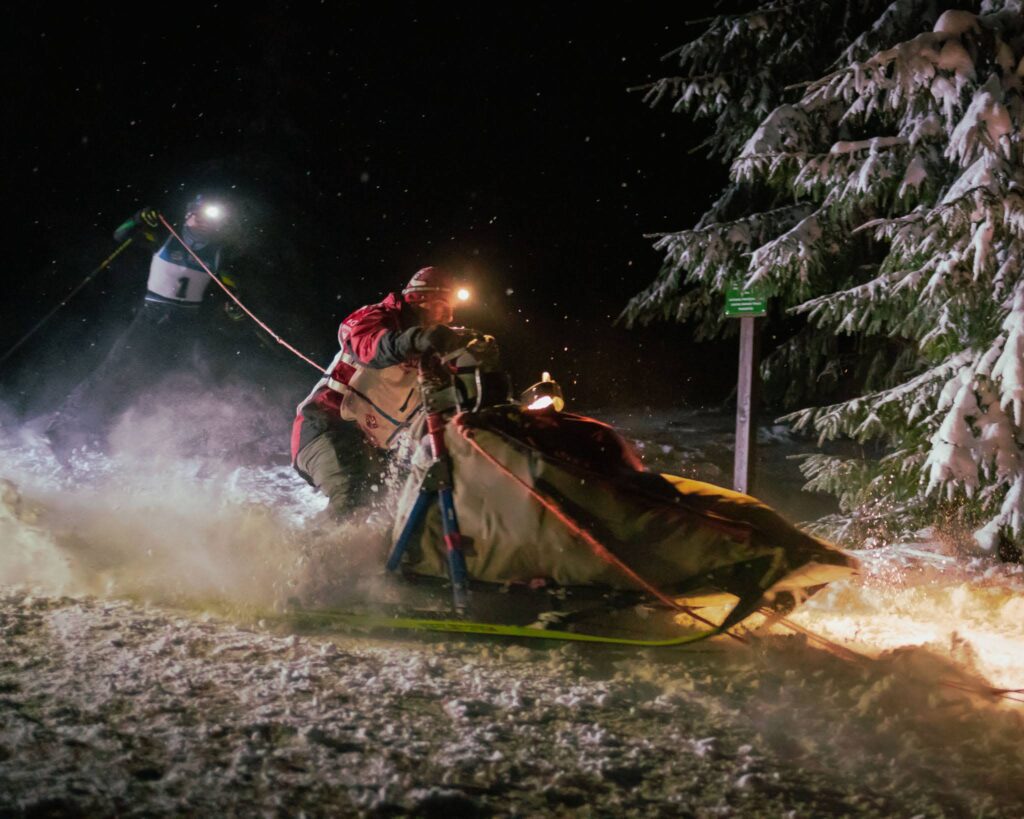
(343, 465)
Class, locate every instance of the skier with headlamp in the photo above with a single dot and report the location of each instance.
(165, 335)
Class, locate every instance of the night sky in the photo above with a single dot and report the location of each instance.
(355, 143)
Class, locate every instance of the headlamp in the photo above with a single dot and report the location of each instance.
(462, 294)
(213, 212)
(545, 393)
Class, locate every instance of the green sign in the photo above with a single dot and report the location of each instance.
(740, 303)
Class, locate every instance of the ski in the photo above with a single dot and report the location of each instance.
(378, 622)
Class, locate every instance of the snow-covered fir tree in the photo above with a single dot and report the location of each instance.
(881, 200)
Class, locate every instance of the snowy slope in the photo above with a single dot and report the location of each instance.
(118, 693)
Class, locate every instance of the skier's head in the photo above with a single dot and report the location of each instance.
(432, 292)
(204, 215)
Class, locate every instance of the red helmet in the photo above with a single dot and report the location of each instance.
(427, 284)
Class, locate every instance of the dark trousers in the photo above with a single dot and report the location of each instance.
(344, 466)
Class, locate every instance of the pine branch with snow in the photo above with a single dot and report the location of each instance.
(880, 202)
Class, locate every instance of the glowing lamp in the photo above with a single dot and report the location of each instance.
(462, 294)
(545, 393)
(213, 212)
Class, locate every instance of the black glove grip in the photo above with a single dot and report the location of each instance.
(439, 339)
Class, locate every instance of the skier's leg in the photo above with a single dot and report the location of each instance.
(88, 412)
(337, 463)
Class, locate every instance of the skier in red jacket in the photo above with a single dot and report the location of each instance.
(346, 425)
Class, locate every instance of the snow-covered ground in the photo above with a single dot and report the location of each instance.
(142, 670)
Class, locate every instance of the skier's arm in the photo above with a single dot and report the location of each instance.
(142, 224)
(366, 336)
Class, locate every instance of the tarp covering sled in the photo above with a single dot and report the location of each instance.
(564, 498)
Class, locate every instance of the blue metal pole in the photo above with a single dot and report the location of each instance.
(453, 542)
(419, 509)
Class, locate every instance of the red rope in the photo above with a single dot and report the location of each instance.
(596, 546)
(235, 299)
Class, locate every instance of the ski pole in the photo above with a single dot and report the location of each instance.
(102, 266)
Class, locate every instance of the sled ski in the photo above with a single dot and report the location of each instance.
(357, 621)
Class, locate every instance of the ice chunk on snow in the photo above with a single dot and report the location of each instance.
(987, 537)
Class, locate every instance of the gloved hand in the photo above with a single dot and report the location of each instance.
(231, 309)
(141, 226)
(439, 339)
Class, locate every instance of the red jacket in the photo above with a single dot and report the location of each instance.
(371, 381)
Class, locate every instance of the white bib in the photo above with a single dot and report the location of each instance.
(175, 281)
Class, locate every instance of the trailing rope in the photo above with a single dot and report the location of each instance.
(237, 301)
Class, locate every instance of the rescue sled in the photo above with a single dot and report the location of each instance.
(505, 498)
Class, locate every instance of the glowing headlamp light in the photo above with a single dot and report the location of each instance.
(545, 393)
(213, 212)
(462, 294)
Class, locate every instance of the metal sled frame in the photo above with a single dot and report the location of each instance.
(435, 385)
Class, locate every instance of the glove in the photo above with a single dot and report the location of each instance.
(395, 347)
(439, 339)
(231, 309)
(146, 220)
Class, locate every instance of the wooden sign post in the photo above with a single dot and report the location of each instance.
(746, 306)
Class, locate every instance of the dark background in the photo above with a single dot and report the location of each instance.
(355, 143)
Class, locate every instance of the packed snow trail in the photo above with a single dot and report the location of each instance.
(111, 707)
(108, 705)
